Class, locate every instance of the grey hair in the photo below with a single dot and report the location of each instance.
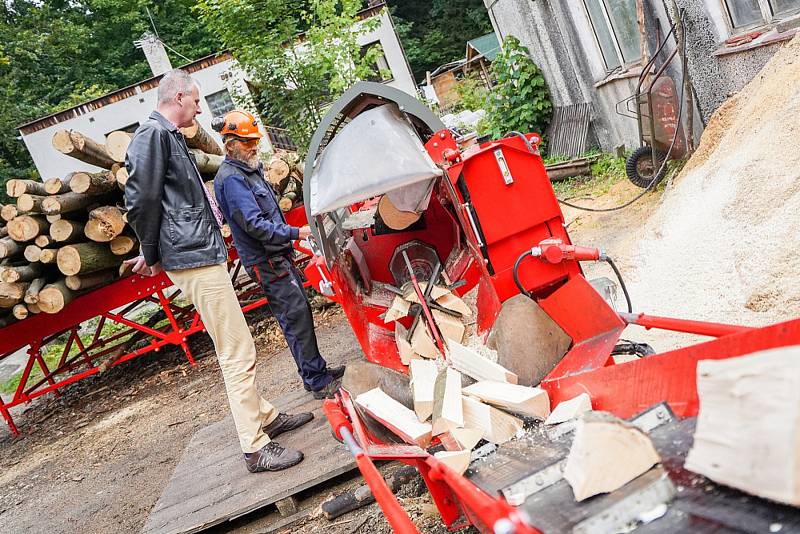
(174, 82)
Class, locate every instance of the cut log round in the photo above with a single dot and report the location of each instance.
(80, 147)
(9, 247)
(88, 281)
(17, 188)
(56, 186)
(27, 227)
(53, 218)
(27, 203)
(105, 223)
(53, 297)
(117, 145)
(20, 311)
(277, 171)
(68, 202)
(395, 218)
(42, 241)
(197, 137)
(22, 273)
(3, 232)
(82, 258)
(206, 163)
(66, 231)
(34, 308)
(48, 256)
(123, 245)
(12, 293)
(8, 212)
(122, 177)
(32, 253)
(95, 183)
(286, 203)
(32, 293)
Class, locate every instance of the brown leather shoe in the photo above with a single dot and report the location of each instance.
(285, 422)
(272, 457)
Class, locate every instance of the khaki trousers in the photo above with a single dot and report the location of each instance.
(211, 291)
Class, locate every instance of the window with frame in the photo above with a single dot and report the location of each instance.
(220, 103)
(616, 29)
(750, 13)
(381, 71)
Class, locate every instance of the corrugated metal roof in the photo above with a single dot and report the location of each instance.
(485, 45)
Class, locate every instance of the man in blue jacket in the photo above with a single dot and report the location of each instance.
(264, 242)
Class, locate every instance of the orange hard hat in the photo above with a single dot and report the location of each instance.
(237, 123)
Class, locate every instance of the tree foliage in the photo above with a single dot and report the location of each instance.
(297, 55)
(59, 53)
(435, 32)
(520, 100)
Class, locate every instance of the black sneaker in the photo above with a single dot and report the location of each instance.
(335, 372)
(328, 391)
(272, 457)
(285, 422)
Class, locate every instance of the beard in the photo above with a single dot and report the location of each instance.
(245, 156)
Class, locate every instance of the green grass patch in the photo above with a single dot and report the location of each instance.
(606, 171)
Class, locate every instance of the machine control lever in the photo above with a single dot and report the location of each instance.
(555, 251)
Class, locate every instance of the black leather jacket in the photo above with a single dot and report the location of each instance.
(167, 207)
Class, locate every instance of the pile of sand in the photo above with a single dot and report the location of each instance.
(724, 244)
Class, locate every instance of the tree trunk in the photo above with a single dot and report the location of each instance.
(80, 147)
(48, 256)
(122, 245)
(32, 294)
(53, 297)
(65, 231)
(23, 273)
(95, 183)
(9, 247)
(197, 137)
(27, 227)
(12, 293)
(17, 188)
(32, 253)
(68, 202)
(27, 203)
(105, 223)
(20, 311)
(43, 241)
(88, 281)
(83, 258)
(117, 145)
(8, 212)
(207, 163)
(56, 186)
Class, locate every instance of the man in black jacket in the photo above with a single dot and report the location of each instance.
(178, 226)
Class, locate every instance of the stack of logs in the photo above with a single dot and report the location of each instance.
(67, 235)
(285, 173)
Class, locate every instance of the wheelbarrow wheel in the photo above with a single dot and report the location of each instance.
(639, 167)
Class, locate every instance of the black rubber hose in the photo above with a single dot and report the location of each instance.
(621, 283)
(516, 274)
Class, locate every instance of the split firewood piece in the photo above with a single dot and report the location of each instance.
(197, 137)
(423, 381)
(30, 203)
(454, 303)
(497, 426)
(21, 273)
(458, 461)
(43, 241)
(20, 311)
(277, 171)
(448, 410)
(404, 349)
(105, 223)
(422, 342)
(83, 258)
(32, 293)
(56, 186)
(569, 410)
(54, 297)
(523, 400)
(68, 202)
(207, 163)
(410, 294)
(122, 245)
(397, 310)
(452, 328)
(748, 427)
(9, 247)
(80, 147)
(606, 454)
(12, 293)
(88, 281)
(95, 183)
(476, 366)
(48, 256)
(461, 439)
(117, 145)
(17, 188)
(8, 212)
(394, 416)
(65, 231)
(26, 227)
